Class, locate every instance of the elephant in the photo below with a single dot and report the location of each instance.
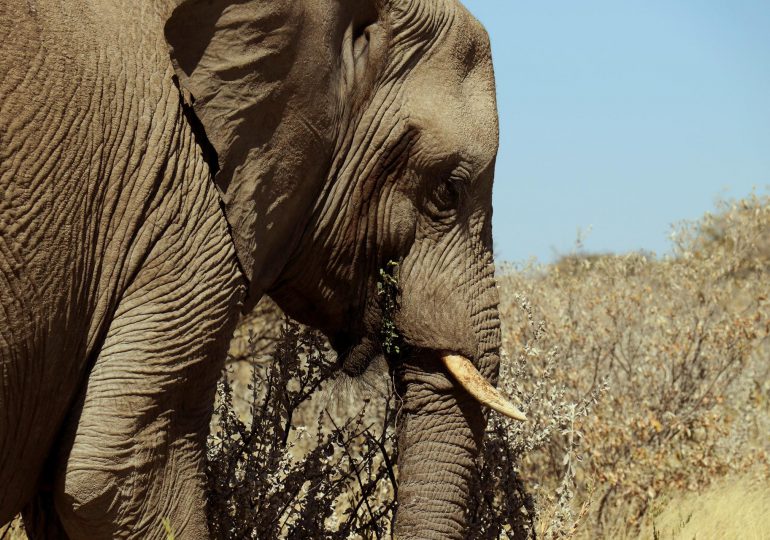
(166, 164)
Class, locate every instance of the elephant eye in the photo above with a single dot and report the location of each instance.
(446, 196)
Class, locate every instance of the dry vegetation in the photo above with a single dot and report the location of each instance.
(735, 508)
(677, 352)
(646, 381)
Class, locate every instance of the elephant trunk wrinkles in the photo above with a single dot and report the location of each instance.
(439, 438)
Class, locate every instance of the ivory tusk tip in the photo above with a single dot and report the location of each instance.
(466, 374)
(507, 409)
(515, 414)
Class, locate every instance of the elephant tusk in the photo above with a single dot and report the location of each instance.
(479, 387)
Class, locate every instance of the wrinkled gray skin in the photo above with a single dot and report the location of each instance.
(341, 134)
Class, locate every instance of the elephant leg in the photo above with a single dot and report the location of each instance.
(134, 450)
(138, 447)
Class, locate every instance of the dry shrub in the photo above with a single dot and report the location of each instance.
(534, 377)
(299, 451)
(681, 343)
(269, 478)
(257, 334)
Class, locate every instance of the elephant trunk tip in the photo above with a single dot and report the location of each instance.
(466, 374)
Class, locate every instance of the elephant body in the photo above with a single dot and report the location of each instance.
(108, 217)
(165, 164)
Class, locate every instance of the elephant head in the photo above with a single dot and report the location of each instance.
(345, 134)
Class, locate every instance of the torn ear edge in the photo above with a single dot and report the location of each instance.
(188, 31)
(208, 151)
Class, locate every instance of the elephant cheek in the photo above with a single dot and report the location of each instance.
(449, 300)
(434, 312)
(439, 438)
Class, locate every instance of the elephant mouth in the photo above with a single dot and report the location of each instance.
(355, 353)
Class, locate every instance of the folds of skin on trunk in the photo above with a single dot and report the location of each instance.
(439, 438)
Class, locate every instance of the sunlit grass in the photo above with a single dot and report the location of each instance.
(734, 509)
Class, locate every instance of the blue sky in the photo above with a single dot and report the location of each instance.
(624, 117)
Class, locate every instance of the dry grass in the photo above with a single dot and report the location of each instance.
(734, 509)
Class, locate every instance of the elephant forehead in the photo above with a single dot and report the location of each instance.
(450, 93)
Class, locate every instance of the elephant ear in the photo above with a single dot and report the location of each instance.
(265, 79)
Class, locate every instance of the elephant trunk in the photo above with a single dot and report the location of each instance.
(446, 385)
(440, 432)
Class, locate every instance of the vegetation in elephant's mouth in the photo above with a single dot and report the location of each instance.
(387, 295)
